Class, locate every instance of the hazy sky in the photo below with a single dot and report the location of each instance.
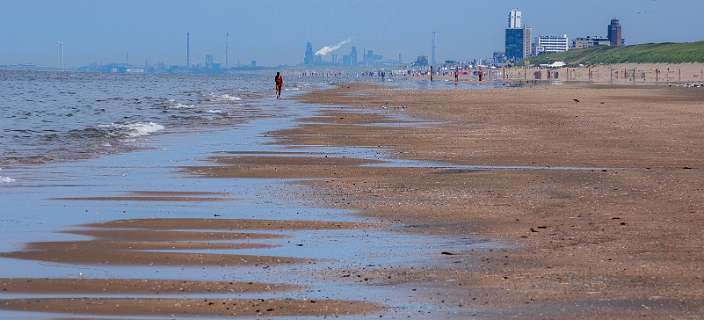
(275, 31)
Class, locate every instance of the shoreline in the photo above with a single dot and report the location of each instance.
(138, 217)
(495, 203)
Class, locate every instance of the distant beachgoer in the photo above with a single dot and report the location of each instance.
(457, 74)
(279, 81)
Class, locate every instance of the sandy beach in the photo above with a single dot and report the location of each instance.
(595, 188)
(567, 201)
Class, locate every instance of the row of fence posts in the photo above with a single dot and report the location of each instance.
(633, 75)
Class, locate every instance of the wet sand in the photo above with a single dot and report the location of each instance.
(132, 286)
(202, 307)
(133, 243)
(620, 242)
(162, 235)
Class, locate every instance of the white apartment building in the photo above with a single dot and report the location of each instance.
(552, 44)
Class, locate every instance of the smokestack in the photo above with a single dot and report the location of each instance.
(433, 59)
(60, 54)
(188, 49)
(227, 49)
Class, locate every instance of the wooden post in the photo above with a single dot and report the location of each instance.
(668, 74)
(634, 75)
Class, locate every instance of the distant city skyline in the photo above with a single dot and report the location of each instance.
(275, 32)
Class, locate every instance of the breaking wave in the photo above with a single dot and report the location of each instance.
(223, 98)
(228, 97)
(133, 130)
(6, 179)
(117, 130)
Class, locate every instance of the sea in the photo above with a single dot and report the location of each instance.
(57, 116)
(61, 116)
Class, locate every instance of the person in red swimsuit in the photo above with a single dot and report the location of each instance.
(279, 81)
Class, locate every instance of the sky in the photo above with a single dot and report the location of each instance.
(274, 32)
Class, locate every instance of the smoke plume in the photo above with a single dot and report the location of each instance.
(324, 51)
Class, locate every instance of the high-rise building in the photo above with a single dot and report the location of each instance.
(350, 59)
(552, 44)
(309, 58)
(527, 42)
(354, 59)
(518, 38)
(615, 33)
(518, 44)
(515, 19)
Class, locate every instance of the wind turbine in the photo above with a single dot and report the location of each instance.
(60, 54)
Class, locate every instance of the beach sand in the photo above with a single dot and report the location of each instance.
(597, 191)
(132, 286)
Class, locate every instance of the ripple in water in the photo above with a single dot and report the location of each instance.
(50, 116)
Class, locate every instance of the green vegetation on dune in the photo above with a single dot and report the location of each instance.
(642, 53)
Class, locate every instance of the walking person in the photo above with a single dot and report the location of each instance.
(279, 81)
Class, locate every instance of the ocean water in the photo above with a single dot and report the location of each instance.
(50, 116)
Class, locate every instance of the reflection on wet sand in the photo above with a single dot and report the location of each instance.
(151, 242)
(134, 286)
(157, 196)
(199, 307)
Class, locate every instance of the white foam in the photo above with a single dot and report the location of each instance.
(137, 129)
(227, 97)
(6, 180)
(215, 111)
(181, 106)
